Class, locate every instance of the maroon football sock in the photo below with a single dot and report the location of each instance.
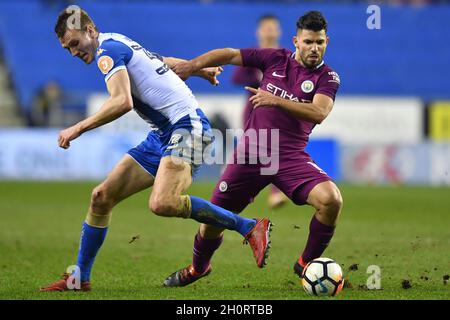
(203, 252)
(318, 240)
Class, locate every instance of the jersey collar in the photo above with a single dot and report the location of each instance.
(101, 38)
(320, 64)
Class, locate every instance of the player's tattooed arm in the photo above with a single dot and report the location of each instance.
(314, 112)
(119, 103)
(210, 74)
(217, 57)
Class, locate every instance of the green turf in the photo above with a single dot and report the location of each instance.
(403, 230)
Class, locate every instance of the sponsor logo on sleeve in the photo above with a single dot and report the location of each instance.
(105, 64)
(334, 77)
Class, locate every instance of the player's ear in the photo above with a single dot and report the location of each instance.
(295, 41)
(328, 40)
(90, 29)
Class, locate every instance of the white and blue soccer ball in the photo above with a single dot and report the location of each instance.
(323, 277)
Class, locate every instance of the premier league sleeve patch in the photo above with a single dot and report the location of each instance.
(334, 77)
(105, 64)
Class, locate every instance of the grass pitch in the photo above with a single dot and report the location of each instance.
(403, 230)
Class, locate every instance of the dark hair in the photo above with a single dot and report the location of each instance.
(63, 23)
(313, 20)
(268, 16)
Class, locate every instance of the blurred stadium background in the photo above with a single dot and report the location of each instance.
(390, 124)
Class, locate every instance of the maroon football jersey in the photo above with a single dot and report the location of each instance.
(283, 76)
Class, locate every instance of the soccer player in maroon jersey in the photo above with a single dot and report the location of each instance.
(268, 34)
(296, 93)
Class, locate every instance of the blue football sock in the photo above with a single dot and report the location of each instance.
(90, 242)
(205, 212)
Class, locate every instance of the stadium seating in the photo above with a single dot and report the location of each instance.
(408, 42)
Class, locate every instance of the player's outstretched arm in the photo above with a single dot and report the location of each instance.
(119, 103)
(217, 57)
(209, 74)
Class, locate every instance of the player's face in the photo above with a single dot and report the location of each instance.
(268, 31)
(80, 44)
(311, 46)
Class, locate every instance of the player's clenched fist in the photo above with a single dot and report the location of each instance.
(67, 135)
(211, 74)
(262, 98)
(184, 69)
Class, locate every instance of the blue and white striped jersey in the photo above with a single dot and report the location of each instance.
(160, 97)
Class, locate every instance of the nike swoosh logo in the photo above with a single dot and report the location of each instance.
(275, 74)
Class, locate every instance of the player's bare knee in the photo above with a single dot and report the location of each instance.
(100, 201)
(331, 202)
(334, 205)
(162, 209)
(162, 206)
(336, 200)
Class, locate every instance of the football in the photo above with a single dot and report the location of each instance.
(323, 277)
